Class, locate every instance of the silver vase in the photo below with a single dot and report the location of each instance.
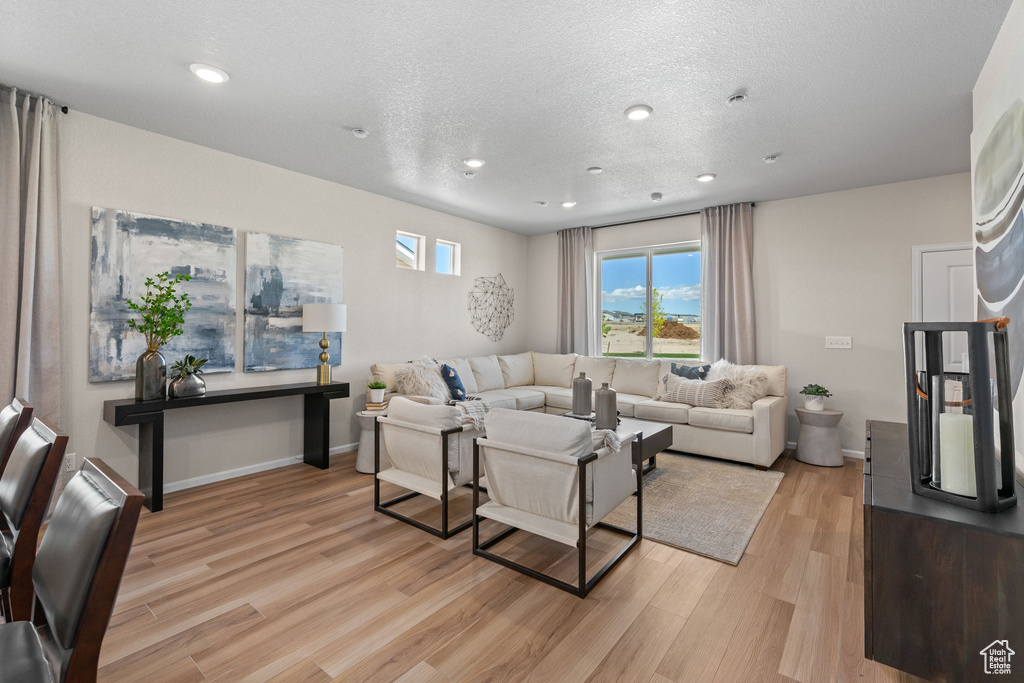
(150, 376)
(581, 399)
(186, 385)
(607, 411)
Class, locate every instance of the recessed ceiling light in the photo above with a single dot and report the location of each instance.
(474, 163)
(737, 98)
(541, 203)
(210, 74)
(568, 205)
(706, 177)
(655, 196)
(771, 158)
(360, 132)
(595, 170)
(468, 174)
(638, 112)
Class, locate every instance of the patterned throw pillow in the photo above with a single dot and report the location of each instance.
(691, 371)
(451, 378)
(696, 392)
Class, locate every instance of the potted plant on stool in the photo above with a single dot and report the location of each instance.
(814, 396)
(377, 389)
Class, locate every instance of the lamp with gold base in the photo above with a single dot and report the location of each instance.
(323, 318)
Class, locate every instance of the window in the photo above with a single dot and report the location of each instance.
(449, 257)
(409, 250)
(650, 302)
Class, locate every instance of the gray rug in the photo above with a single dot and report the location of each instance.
(709, 507)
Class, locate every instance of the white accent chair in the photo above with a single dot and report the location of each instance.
(429, 453)
(552, 476)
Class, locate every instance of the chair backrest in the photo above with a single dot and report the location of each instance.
(80, 563)
(410, 434)
(540, 431)
(14, 419)
(27, 482)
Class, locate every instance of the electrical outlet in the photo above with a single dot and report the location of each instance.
(838, 342)
(69, 462)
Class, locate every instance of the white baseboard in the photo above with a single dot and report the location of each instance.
(248, 469)
(859, 455)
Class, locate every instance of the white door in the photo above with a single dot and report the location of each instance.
(945, 293)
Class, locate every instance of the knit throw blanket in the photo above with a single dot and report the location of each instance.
(473, 411)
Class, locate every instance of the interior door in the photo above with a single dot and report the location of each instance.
(946, 290)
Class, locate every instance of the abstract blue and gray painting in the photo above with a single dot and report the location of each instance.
(129, 247)
(282, 274)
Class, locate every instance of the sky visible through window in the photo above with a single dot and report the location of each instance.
(676, 276)
(407, 242)
(444, 258)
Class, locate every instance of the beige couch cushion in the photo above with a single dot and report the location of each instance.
(636, 376)
(556, 397)
(776, 378)
(465, 371)
(553, 369)
(487, 373)
(626, 403)
(497, 399)
(725, 419)
(385, 372)
(525, 398)
(517, 369)
(598, 369)
(661, 411)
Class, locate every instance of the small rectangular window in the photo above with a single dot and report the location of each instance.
(449, 255)
(409, 250)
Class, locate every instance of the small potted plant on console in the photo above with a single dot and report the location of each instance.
(186, 380)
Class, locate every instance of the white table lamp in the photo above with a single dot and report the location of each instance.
(323, 318)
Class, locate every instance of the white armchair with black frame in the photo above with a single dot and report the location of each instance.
(552, 476)
(428, 452)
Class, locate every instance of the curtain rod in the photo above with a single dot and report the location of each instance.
(653, 218)
(63, 109)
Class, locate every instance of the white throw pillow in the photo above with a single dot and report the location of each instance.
(695, 392)
(487, 373)
(636, 376)
(749, 384)
(517, 369)
(421, 378)
(553, 369)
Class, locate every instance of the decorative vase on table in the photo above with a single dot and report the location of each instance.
(187, 385)
(581, 395)
(150, 376)
(812, 402)
(607, 410)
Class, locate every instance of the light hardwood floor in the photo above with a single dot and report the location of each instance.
(289, 575)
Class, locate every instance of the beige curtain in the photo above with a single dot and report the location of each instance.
(577, 309)
(30, 358)
(727, 284)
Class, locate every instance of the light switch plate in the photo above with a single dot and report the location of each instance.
(838, 342)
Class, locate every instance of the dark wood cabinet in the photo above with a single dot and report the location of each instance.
(941, 582)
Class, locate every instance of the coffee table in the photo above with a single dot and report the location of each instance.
(651, 438)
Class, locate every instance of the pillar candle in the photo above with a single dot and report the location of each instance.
(956, 450)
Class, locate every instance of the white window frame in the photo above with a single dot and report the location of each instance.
(456, 257)
(648, 252)
(418, 256)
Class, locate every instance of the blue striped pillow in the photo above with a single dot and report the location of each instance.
(691, 371)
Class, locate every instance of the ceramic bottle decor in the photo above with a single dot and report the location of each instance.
(581, 395)
(150, 376)
(607, 412)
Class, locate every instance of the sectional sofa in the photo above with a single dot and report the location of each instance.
(543, 381)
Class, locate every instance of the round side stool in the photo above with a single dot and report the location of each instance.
(818, 440)
(364, 457)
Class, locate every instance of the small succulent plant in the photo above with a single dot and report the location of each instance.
(189, 365)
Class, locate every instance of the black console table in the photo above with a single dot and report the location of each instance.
(941, 582)
(149, 415)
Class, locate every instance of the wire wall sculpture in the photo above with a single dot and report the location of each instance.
(490, 306)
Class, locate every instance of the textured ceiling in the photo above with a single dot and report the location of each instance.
(848, 94)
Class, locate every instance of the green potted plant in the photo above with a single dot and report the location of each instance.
(162, 316)
(185, 380)
(377, 389)
(814, 396)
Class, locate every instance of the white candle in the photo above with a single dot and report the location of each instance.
(956, 450)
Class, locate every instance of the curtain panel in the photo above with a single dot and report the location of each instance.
(577, 306)
(727, 284)
(30, 358)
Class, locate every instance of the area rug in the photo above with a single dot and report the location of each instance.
(705, 506)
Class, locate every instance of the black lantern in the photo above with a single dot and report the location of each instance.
(952, 416)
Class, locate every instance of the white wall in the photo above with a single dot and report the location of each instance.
(393, 315)
(829, 264)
